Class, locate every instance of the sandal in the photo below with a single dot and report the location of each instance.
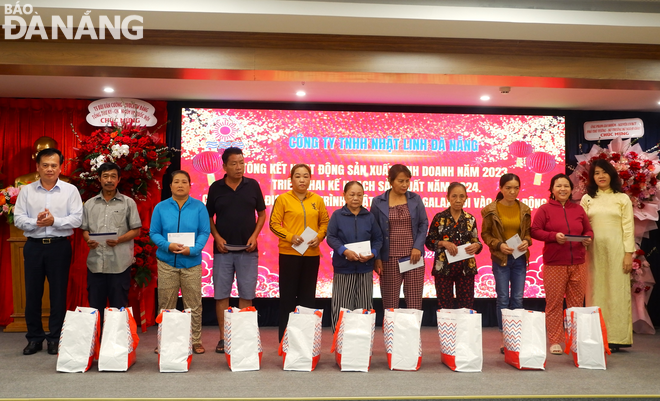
(198, 349)
(555, 349)
(220, 348)
(502, 350)
(156, 350)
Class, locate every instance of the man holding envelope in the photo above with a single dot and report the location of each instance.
(110, 222)
(237, 204)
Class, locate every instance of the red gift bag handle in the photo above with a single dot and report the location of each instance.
(133, 327)
(279, 349)
(604, 331)
(568, 334)
(337, 326)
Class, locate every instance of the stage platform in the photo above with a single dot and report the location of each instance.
(631, 374)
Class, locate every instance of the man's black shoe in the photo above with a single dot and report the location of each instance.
(52, 348)
(33, 347)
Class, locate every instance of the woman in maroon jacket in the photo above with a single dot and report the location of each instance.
(564, 270)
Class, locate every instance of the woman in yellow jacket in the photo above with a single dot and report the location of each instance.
(292, 213)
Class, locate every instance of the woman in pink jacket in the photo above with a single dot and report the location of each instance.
(564, 267)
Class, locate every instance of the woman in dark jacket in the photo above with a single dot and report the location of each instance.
(352, 282)
(564, 268)
(401, 216)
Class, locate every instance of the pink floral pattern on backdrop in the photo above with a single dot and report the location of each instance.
(342, 146)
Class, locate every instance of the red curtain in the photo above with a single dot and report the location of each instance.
(22, 122)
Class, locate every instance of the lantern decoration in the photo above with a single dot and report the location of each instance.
(540, 163)
(208, 163)
(520, 149)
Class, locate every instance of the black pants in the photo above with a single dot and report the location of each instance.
(51, 261)
(298, 275)
(103, 287)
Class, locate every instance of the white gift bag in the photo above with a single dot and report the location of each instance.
(524, 338)
(460, 339)
(586, 337)
(242, 341)
(79, 341)
(119, 340)
(403, 341)
(300, 347)
(174, 340)
(353, 341)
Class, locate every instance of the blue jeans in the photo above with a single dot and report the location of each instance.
(514, 272)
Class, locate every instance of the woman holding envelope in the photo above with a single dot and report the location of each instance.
(506, 229)
(562, 225)
(355, 239)
(611, 215)
(300, 220)
(180, 228)
(453, 234)
(402, 219)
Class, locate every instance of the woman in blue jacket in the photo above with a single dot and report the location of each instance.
(401, 216)
(352, 282)
(179, 265)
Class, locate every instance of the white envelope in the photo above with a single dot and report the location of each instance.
(307, 236)
(186, 239)
(460, 255)
(102, 237)
(513, 242)
(361, 248)
(405, 265)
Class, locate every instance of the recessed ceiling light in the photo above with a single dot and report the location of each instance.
(658, 102)
(485, 97)
(301, 93)
(108, 89)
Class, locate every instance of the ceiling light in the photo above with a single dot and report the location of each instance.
(485, 97)
(301, 93)
(108, 89)
(658, 102)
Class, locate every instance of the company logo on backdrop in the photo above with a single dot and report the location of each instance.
(105, 112)
(226, 131)
(610, 129)
(24, 22)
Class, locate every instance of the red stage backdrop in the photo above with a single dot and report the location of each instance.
(22, 122)
(344, 146)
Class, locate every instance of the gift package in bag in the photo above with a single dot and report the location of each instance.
(174, 340)
(242, 341)
(300, 347)
(119, 340)
(353, 340)
(79, 341)
(460, 339)
(403, 341)
(524, 338)
(586, 337)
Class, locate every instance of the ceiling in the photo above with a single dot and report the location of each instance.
(581, 21)
(370, 93)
